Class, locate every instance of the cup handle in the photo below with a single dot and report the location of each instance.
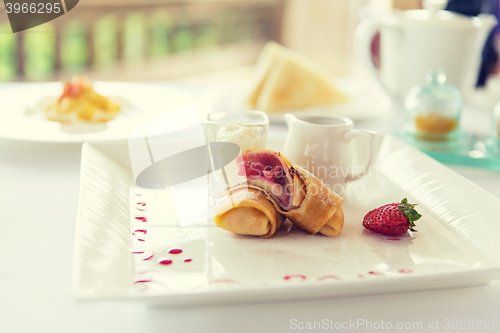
(371, 137)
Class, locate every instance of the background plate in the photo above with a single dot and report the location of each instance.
(118, 254)
(146, 101)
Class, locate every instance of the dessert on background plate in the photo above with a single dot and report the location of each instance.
(284, 79)
(277, 187)
(79, 102)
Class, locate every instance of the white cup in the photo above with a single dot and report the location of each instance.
(415, 41)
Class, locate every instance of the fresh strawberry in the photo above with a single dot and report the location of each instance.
(392, 219)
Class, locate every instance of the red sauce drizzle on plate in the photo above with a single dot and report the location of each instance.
(188, 260)
(141, 218)
(375, 273)
(288, 277)
(164, 261)
(151, 256)
(175, 251)
(139, 239)
(403, 271)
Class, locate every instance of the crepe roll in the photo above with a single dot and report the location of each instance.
(247, 211)
(334, 225)
(297, 194)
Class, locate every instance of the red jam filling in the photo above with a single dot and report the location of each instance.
(274, 174)
(267, 167)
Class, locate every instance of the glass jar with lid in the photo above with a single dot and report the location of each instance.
(433, 110)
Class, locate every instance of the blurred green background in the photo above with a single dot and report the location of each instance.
(113, 41)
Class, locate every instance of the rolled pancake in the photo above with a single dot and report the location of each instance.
(334, 225)
(318, 206)
(247, 211)
(302, 198)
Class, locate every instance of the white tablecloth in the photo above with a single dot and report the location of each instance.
(38, 202)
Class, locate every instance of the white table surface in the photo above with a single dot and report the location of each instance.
(38, 202)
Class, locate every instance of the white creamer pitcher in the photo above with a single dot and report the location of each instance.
(415, 41)
(322, 145)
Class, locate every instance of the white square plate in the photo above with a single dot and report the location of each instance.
(456, 244)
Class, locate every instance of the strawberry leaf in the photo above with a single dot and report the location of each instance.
(409, 212)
